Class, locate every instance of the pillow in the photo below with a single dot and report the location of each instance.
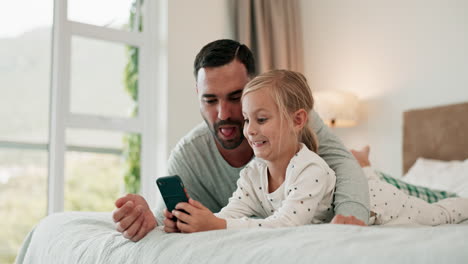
(426, 194)
(445, 175)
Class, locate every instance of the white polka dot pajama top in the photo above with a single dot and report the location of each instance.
(305, 196)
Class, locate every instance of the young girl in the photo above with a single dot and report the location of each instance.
(288, 184)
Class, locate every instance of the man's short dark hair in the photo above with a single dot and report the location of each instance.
(222, 52)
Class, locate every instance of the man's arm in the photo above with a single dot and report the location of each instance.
(352, 191)
(132, 215)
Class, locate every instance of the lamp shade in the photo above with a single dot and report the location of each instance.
(337, 108)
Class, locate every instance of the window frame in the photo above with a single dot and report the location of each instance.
(151, 122)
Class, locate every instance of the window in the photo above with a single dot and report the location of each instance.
(71, 107)
(99, 14)
(24, 115)
(23, 196)
(97, 82)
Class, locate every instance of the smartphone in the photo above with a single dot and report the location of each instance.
(173, 192)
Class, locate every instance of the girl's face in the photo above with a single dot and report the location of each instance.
(266, 134)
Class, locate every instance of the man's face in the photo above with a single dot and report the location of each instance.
(219, 90)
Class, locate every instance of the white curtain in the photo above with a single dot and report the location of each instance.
(273, 31)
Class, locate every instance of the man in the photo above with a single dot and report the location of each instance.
(210, 157)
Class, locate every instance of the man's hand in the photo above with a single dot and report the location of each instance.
(347, 220)
(199, 218)
(133, 217)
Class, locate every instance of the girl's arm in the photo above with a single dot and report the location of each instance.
(243, 203)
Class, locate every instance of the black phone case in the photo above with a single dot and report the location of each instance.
(172, 190)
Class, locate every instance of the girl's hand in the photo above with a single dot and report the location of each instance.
(199, 218)
(169, 225)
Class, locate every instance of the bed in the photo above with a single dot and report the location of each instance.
(439, 133)
(82, 237)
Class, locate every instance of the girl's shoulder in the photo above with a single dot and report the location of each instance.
(305, 154)
(254, 167)
(306, 158)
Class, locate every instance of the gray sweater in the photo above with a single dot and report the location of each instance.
(210, 180)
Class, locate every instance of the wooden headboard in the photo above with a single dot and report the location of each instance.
(435, 133)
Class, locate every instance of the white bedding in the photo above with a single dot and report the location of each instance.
(91, 238)
(440, 175)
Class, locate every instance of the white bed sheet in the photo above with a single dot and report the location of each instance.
(91, 238)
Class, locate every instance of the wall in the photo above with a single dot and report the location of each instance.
(394, 55)
(191, 25)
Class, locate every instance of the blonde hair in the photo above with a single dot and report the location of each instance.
(290, 92)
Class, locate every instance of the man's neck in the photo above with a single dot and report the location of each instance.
(237, 157)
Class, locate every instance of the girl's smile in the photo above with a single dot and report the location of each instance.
(257, 144)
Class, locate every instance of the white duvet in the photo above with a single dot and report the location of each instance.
(91, 238)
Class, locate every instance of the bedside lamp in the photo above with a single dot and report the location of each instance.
(337, 108)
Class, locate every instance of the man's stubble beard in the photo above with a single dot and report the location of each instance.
(226, 144)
